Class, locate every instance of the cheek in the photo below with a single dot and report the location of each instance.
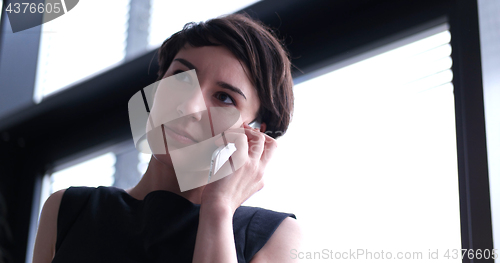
(224, 118)
(161, 113)
(238, 124)
(156, 141)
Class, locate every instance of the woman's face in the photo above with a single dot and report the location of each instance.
(224, 87)
(222, 78)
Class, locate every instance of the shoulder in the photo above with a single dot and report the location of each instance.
(258, 223)
(51, 207)
(47, 229)
(50, 211)
(56, 217)
(250, 213)
(264, 234)
(286, 238)
(53, 202)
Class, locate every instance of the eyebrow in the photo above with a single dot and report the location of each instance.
(231, 88)
(186, 63)
(220, 83)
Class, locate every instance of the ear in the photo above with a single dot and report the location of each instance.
(263, 127)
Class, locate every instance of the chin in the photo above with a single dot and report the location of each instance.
(165, 159)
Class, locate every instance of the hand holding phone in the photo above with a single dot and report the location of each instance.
(222, 154)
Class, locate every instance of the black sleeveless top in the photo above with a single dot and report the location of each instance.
(106, 224)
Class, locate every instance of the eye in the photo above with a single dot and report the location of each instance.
(183, 76)
(225, 98)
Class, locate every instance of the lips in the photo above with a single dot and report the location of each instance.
(180, 135)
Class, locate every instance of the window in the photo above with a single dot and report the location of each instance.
(369, 161)
(81, 44)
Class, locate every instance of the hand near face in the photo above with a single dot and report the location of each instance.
(254, 150)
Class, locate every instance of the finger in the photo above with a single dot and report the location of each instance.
(256, 140)
(270, 139)
(270, 147)
(228, 136)
(243, 129)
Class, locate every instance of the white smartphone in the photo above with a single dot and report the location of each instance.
(222, 154)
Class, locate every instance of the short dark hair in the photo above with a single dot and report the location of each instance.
(254, 44)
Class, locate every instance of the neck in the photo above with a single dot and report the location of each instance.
(161, 176)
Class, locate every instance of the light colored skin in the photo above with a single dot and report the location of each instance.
(219, 200)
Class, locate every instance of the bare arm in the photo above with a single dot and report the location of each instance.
(45, 243)
(215, 239)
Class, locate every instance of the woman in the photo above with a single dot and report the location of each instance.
(240, 65)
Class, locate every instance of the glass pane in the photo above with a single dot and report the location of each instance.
(489, 28)
(80, 44)
(1, 10)
(373, 149)
(94, 172)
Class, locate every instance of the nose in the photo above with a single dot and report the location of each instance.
(192, 105)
